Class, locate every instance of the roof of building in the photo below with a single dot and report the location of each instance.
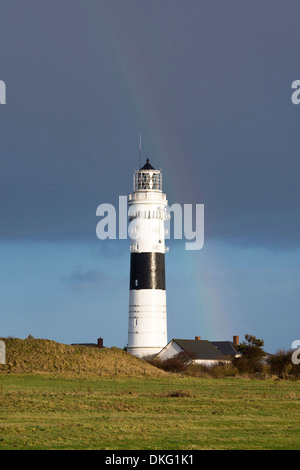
(204, 349)
(200, 349)
(226, 347)
(147, 166)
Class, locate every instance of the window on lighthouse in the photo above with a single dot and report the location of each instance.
(155, 182)
(146, 182)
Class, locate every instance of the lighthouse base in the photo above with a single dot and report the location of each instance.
(147, 332)
(144, 352)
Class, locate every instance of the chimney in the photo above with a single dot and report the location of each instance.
(100, 342)
(236, 340)
(197, 338)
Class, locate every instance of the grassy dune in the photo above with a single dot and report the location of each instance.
(46, 356)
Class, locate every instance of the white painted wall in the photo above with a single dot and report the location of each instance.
(170, 350)
(147, 215)
(147, 327)
(208, 362)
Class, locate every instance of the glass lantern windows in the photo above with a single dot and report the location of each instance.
(147, 180)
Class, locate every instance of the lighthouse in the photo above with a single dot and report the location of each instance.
(147, 326)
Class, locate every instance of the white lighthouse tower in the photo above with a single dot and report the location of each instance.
(147, 331)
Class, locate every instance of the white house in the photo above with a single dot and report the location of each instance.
(200, 351)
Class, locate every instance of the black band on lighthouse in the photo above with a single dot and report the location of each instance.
(147, 271)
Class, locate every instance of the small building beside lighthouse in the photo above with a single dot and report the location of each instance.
(147, 326)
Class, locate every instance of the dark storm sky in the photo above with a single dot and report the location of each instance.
(208, 84)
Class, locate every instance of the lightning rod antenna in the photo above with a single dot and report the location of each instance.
(140, 151)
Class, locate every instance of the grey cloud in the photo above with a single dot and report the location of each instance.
(79, 276)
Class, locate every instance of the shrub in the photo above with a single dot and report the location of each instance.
(198, 370)
(252, 354)
(224, 369)
(281, 364)
(177, 363)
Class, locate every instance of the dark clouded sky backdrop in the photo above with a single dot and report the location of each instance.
(208, 85)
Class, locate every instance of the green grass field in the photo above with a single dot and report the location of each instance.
(175, 413)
